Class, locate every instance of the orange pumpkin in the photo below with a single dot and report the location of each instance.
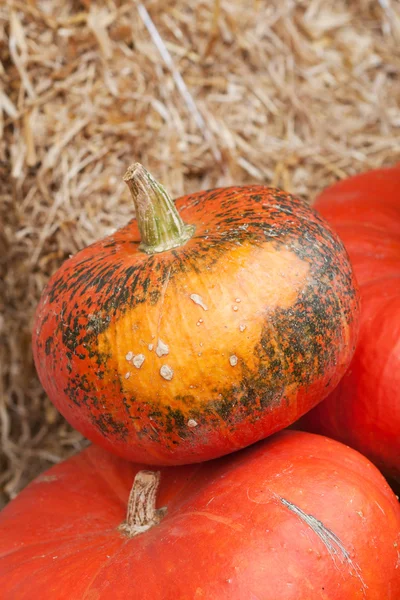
(295, 517)
(364, 409)
(170, 343)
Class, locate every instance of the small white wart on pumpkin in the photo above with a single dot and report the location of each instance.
(233, 360)
(138, 360)
(127, 375)
(162, 348)
(45, 479)
(150, 347)
(166, 372)
(242, 327)
(129, 356)
(198, 300)
(192, 423)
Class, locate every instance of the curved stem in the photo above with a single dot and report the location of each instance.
(160, 225)
(142, 513)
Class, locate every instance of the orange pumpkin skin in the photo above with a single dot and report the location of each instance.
(201, 350)
(295, 517)
(364, 410)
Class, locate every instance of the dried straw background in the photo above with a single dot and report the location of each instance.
(291, 93)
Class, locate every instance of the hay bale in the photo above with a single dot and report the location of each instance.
(289, 93)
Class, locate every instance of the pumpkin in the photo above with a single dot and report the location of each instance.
(297, 516)
(200, 328)
(364, 410)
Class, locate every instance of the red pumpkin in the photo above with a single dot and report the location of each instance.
(297, 516)
(364, 410)
(205, 337)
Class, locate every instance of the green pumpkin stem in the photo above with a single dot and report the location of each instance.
(160, 225)
(142, 513)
